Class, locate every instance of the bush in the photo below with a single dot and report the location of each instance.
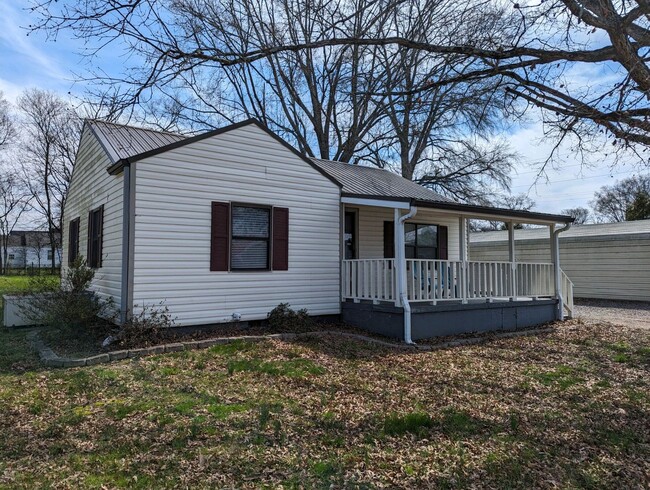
(72, 305)
(149, 327)
(284, 318)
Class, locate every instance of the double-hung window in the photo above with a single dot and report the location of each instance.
(421, 241)
(251, 237)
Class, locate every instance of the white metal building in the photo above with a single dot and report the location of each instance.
(604, 261)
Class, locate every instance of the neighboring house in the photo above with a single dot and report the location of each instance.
(27, 249)
(226, 225)
(606, 261)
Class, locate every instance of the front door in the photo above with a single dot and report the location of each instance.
(350, 235)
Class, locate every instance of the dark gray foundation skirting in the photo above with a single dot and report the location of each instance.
(449, 319)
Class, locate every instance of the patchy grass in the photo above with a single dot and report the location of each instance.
(549, 411)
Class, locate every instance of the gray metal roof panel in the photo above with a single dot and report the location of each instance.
(590, 230)
(122, 142)
(375, 182)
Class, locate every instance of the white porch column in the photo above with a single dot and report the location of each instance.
(462, 226)
(512, 259)
(557, 277)
(397, 261)
(551, 229)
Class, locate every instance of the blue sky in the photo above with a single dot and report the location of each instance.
(33, 61)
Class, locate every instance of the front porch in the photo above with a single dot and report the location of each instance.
(433, 282)
(425, 284)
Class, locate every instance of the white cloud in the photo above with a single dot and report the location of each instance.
(568, 182)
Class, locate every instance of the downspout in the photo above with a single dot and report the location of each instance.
(558, 271)
(126, 230)
(401, 257)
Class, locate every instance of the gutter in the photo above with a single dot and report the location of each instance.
(401, 284)
(558, 271)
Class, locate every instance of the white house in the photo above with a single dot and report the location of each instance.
(31, 249)
(226, 225)
(604, 261)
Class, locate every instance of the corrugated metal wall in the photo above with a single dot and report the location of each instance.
(604, 267)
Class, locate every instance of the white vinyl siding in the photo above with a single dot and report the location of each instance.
(602, 267)
(92, 186)
(371, 229)
(174, 191)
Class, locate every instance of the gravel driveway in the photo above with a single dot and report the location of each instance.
(634, 314)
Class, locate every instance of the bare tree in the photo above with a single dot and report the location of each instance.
(51, 130)
(7, 123)
(520, 202)
(531, 58)
(14, 201)
(433, 137)
(349, 102)
(611, 202)
(580, 215)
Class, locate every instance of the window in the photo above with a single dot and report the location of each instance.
(421, 241)
(95, 232)
(11, 257)
(250, 240)
(49, 255)
(249, 237)
(73, 240)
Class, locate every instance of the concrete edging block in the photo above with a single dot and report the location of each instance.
(176, 347)
(99, 359)
(117, 355)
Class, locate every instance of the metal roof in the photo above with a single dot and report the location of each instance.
(122, 142)
(128, 144)
(375, 182)
(577, 231)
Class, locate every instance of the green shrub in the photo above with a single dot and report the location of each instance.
(284, 318)
(72, 305)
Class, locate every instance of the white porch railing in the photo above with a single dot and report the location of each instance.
(435, 281)
(369, 279)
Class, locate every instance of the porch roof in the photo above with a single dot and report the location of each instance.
(376, 185)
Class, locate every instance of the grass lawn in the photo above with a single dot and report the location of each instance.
(15, 354)
(569, 409)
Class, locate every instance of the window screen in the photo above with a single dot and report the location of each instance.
(250, 238)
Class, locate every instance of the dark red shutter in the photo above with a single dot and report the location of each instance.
(89, 244)
(443, 247)
(73, 240)
(389, 240)
(220, 236)
(100, 234)
(280, 245)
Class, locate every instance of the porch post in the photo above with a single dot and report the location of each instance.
(512, 259)
(555, 258)
(462, 226)
(551, 229)
(397, 261)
